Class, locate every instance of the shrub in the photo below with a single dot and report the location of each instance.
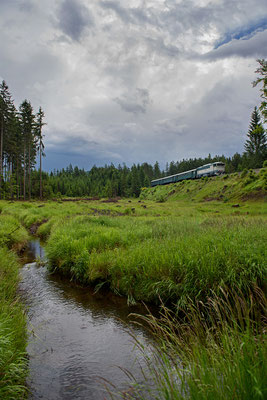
(244, 173)
(161, 199)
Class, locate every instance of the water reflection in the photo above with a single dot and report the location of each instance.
(75, 336)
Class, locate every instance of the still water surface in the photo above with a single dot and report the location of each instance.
(76, 337)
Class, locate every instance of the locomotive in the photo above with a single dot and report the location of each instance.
(212, 169)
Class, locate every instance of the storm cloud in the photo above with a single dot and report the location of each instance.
(74, 17)
(135, 81)
(136, 103)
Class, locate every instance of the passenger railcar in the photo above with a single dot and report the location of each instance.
(212, 169)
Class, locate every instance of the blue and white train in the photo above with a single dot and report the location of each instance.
(212, 169)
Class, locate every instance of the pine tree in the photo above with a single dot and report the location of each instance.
(156, 170)
(40, 147)
(29, 149)
(255, 120)
(256, 144)
(6, 106)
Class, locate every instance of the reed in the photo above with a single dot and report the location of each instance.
(173, 259)
(214, 350)
(13, 360)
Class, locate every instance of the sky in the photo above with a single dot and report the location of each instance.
(133, 81)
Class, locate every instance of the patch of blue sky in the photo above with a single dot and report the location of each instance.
(243, 33)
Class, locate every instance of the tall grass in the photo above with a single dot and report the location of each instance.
(182, 255)
(175, 259)
(13, 360)
(216, 351)
(12, 234)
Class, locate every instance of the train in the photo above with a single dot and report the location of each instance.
(212, 169)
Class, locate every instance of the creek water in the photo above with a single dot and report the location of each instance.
(77, 338)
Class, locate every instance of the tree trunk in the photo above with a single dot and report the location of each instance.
(1, 155)
(10, 172)
(41, 188)
(29, 172)
(24, 173)
(17, 180)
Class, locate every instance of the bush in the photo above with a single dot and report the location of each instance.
(244, 173)
(161, 199)
(251, 177)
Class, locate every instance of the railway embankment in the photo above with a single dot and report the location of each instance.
(247, 185)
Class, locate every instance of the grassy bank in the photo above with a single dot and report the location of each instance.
(248, 185)
(221, 357)
(13, 360)
(171, 258)
(205, 258)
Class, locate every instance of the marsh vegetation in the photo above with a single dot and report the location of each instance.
(13, 360)
(177, 247)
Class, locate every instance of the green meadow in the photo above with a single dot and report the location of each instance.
(174, 244)
(13, 335)
(197, 248)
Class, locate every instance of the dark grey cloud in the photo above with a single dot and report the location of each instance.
(255, 46)
(74, 17)
(245, 32)
(136, 103)
(72, 145)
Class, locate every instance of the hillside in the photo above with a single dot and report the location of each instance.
(249, 185)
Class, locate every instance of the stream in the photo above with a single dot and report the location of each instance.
(77, 339)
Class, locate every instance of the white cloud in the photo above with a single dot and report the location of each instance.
(135, 81)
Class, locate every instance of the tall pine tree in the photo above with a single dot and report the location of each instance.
(6, 106)
(256, 144)
(29, 150)
(40, 143)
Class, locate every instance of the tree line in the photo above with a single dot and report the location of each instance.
(21, 141)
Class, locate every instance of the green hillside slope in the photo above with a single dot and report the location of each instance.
(235, 187)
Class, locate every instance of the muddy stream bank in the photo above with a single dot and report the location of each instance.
(76, 337)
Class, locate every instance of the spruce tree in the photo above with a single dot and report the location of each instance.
(156, 171)
(29, 145)
(255, 120)
(40, 146)
(6, 106)
(256, 144)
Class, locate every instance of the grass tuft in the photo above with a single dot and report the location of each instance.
(214, 350)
